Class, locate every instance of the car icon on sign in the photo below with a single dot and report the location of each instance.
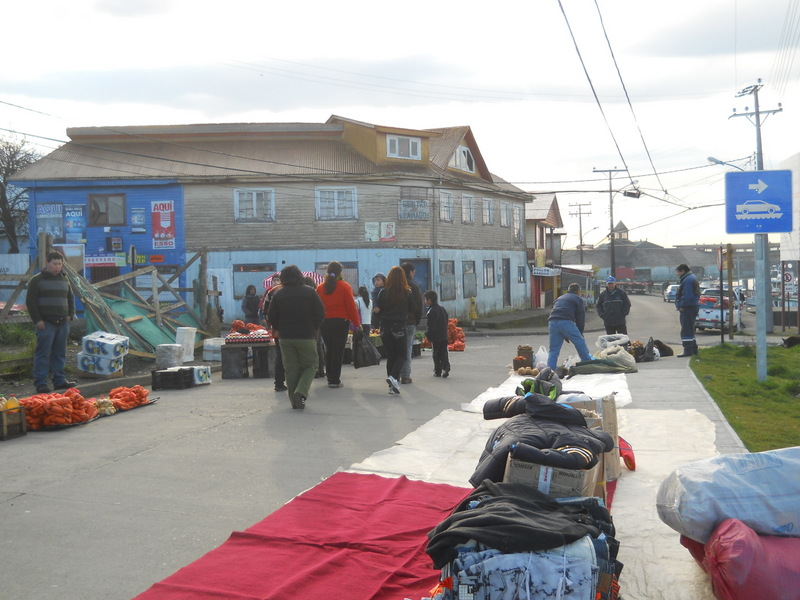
(757, 209)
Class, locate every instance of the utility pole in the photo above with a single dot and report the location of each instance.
(763, 285)
(580, 214)
(611, 172)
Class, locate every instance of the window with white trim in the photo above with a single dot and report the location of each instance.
(462, 160)
(467, 209)
(488, 211)
(505, 215)
(336, 203)
(445, 206)
(470, 279)
(521, 273)
(518, 223)
(488, 273)
(251, 205)
(401, 146)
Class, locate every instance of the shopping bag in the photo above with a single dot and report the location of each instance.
(364, 353)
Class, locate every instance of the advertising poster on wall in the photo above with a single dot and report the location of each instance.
(163, 225)
(372, 231)
(138, 220)
(50, 220)
(75, 223)
(388, 232)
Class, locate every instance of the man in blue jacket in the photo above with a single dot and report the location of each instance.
(566, 322)
(613, 306)
(687, 302)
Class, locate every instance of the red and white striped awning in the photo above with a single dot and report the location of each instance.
(270, 281)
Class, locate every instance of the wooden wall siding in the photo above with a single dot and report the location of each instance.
(210, 223)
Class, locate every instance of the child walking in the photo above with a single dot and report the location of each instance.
(437, 334)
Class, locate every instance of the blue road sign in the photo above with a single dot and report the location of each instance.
(758, 201)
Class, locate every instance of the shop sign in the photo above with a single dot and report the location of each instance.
(545, 272)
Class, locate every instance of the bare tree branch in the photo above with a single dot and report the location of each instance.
(15, 155)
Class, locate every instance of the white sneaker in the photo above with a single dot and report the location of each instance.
(393, 392)
(393, 384)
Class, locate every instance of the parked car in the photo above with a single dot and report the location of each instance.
(716, 317)
(669, 293)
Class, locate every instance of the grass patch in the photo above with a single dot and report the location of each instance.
(17, 335)
(765, 415)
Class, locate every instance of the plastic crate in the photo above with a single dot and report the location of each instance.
(261, 362)
(13, 423)
(172, 379)
(234, 362)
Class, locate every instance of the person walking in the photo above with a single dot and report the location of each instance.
(364, 309)
(613, 306)
(566, 322)
(394, 304)
(414, 317)
(340, 311)
(250, 303)
(378, 281)
(296, 313)
(687, 303)
(280, 372)
(51, 305)
(436, 333)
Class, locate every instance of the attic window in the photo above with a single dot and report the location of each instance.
(462, 160)
(399, 146)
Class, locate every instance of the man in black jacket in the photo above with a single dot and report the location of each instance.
(51, 305)
(296, 313)
(613, 306)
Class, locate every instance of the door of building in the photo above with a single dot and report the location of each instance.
(506, 282)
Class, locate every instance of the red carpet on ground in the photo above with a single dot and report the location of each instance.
(352, 537)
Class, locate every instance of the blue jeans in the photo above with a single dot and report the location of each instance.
(51, 353)
(560, 330)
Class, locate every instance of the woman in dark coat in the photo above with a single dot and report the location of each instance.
(393, 305)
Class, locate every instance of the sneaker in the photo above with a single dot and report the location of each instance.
(336, 385)
(298, 401)
(446, 374)
(393, 385)
(281, 388)
(393, 392)
(406, 380)
(43, 389)
(64, 385)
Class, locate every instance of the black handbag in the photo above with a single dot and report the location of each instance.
(364, 353)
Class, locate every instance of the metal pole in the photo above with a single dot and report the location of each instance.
(613, 270)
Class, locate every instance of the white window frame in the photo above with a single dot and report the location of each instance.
(446, 206)
(517, 213)
(403, 146)
(240, 202)
(333, 204)
(463, 160)
(467, 209)
(488, 273)
(505, 214)
(488, 211)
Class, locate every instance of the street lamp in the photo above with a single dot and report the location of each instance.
(717, 161)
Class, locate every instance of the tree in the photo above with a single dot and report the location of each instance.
(15, 155)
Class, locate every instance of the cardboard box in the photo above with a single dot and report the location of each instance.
(105, 345)
(556, 483)
(13, 423)
(201, 374)
(96, 365)
(606, 407)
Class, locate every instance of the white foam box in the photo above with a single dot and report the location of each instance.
(212, 348)
(185, 336)
(105, 345)
(556, 483)
(97, 365)
(201, 374)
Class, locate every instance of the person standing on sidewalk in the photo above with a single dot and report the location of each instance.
(394, 305)
(378, 281)
(437, 334)
(613, 306)
(414, 317)
(296, 313)
(340, 311)
(51, 305)
(566, 322)
(687, 302)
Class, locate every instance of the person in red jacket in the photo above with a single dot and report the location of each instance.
(340, 310)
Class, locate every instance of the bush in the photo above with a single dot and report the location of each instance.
(18, 334)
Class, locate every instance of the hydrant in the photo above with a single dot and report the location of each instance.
(473, 314)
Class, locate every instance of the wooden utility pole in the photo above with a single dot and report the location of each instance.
(580, 214)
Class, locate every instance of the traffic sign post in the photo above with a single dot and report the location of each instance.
(759, 202)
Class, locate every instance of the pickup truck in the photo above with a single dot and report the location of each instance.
(709, 315)
(632, 287)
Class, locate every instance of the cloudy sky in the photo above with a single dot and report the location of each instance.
(536, 80)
